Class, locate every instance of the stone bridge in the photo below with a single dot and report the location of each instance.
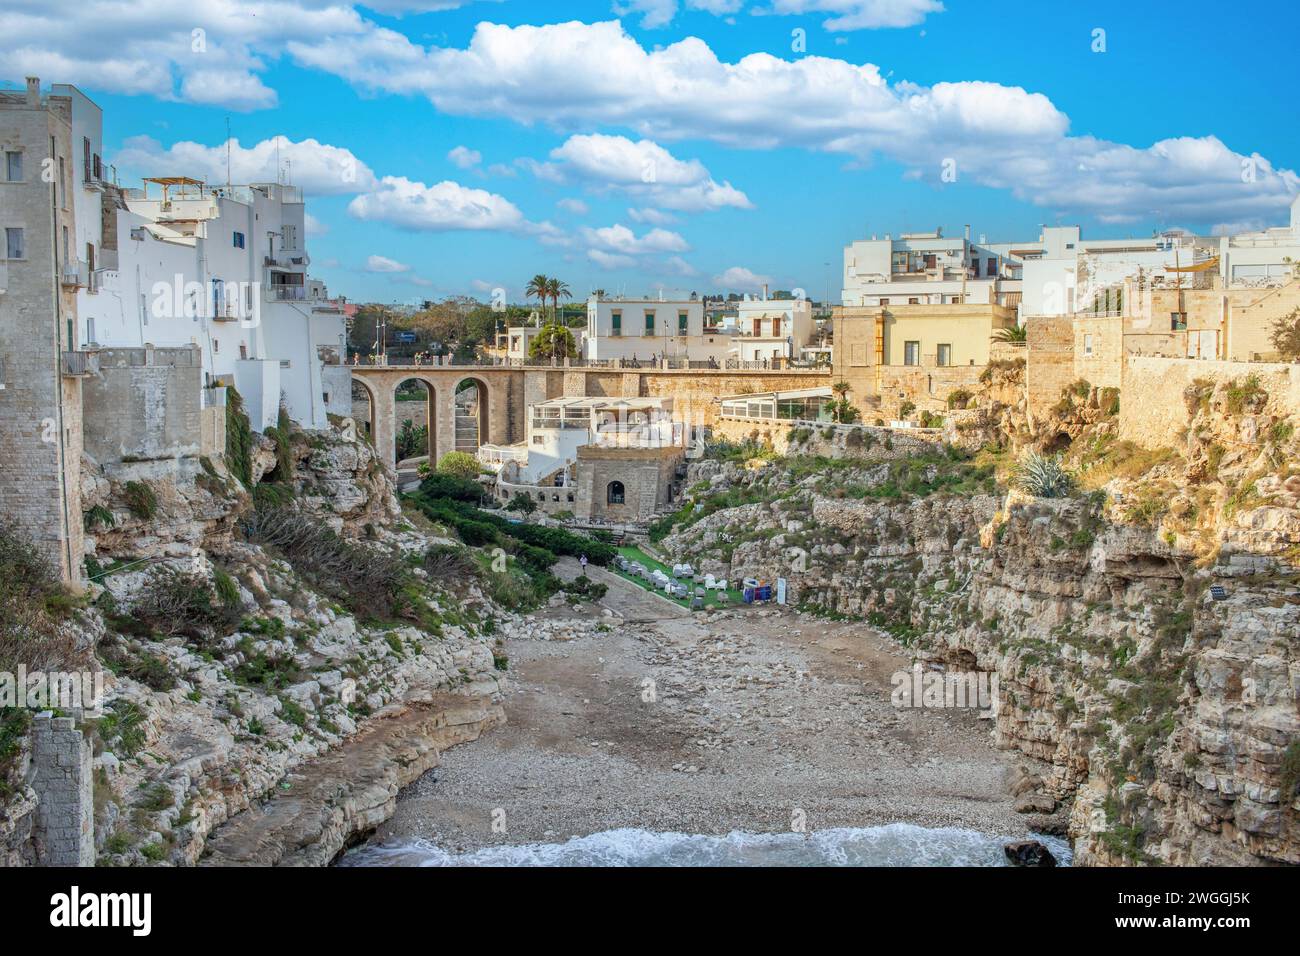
(505, 392)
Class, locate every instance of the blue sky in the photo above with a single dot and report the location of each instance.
(632, 157)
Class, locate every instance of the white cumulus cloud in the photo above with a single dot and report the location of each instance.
(442, 207)
(319, 168)
(740, 278)
(385, 264)
(643, 170)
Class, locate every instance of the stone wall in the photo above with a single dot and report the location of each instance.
(646, 475)
(61, 777)
(146, 405)
(1099, 350)
(1152, 411)
(1050, 360)
(40, 408)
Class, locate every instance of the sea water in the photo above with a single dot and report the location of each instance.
(897, 844)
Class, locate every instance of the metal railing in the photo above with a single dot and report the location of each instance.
(80, 363)
(76, 273)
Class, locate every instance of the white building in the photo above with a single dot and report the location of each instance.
(648, 329)
(930, 269)
(559, 427)
(1059, 273)
(222, 267)
(772, 329)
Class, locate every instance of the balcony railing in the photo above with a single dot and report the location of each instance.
(76, 274)
(286, 293)
(80, 363)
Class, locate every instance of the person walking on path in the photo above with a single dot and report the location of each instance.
(583, 561)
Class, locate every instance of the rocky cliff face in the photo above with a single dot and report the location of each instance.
(229, 666)
(1164, 713)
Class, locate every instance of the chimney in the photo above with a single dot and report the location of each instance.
(33, 91)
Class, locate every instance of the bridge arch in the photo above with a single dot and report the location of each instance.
(472, 419)
(415, 422)
(364, 410)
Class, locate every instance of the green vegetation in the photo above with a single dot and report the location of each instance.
(1244, 394)
(710, 599)
(282, 434)
(140, 498)
(959, 398)
(177, 602)
(239, 439)
(412, 442)
(439, 485)
(477, 528)
(459, 464)
(522, 503)
(1044, 477)
(98, 517)
(14, 722)
(1285, 336)
(370, 582)
(553, 341)
(121, 730)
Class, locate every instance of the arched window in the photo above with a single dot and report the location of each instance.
(615, 494)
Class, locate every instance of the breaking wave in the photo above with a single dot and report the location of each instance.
(898, 844)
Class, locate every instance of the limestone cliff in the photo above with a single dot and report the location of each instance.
(1146, 636)
(246, 633)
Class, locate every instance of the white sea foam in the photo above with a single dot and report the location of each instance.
(898, 844)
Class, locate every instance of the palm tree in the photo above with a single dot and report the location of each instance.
(1016, 334)
(539, 288)
(554, 290)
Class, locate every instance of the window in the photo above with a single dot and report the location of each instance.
(992, 269)
(14, 167)
(616, 320)
(884, 302)
(144, 309)
(1087, 344)
(682, 319)
(911, 353)
(63, 189)
(537, 439)
(944, 355)
(85, 160)
(290, 237)
(14, 244)
(1178, 321)
(90, 256)
(216, 346)
(90, 332)
(238, 239)
(914, 301)
(615, 493)
(649, 323)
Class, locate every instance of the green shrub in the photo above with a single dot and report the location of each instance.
(1044, 476)
(179, 602)
(522, 503)
(459, 464)
(439, 485)
(140, 498)
(98, 516)
(959, 398)
(239, 439)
